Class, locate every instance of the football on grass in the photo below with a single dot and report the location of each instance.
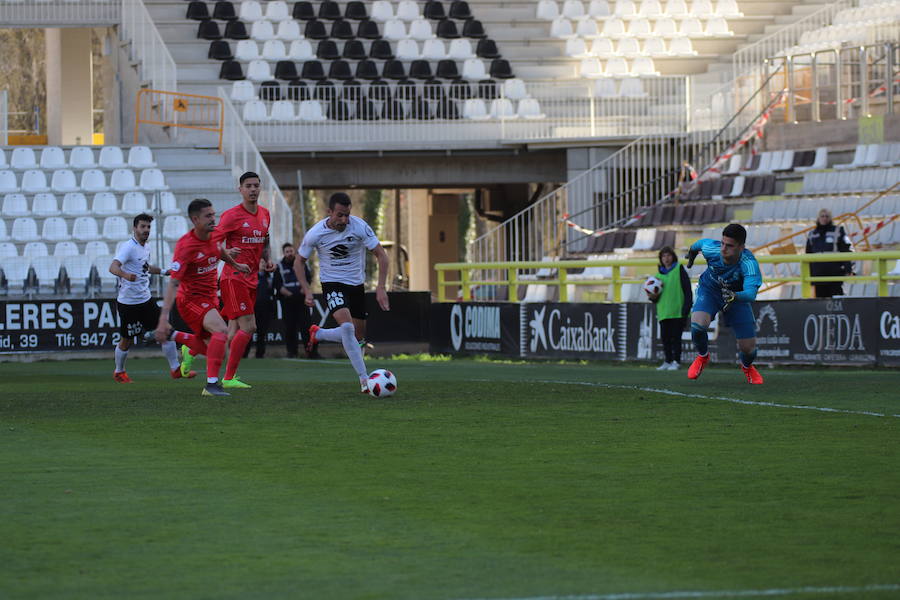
(653, 286)
(382, 383)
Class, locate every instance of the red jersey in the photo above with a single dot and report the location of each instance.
(244, 230)
(194, 265)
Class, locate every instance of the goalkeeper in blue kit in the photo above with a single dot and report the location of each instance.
(728, 285)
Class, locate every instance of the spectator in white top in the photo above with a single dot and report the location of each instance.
(341, 241)
(138, 312)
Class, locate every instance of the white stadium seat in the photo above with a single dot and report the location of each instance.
(46, 268)
(152, 180)
(96, 247)
(255, 112)
(251, 11)
(277, 10)
(283, 110)
(382, 11)
(561, 28)
(34, 181)
(262, 31)
(24, 229)
(474, 70)
(140, 157)
(591, 68)
(4, 236)
(606, 88)
(311, 110)
(44, 205)
(242, 91)
(547, 10)
(514, 89)
(122, 180)
(168, 205)
(502, 108)
(529, 108)
(174, 227)
(3, 163)
(15, 205)
(115, 228)
(394, 30)
(65, 249)
(245, 51)
(8, 250)
(52, 157)
(93, 180)
(301, 50)
(134, 203)
(78, 269)
(23, 158)
(407, 10)
(64, 181)
(55, 230)
(74, 204)
(475, 109)
(577, 48)
(289, 31)
(274, 50)
(8, 182)
(105, 204)
(82, 157)
(599, 9)
(408, 50)
(259, 70)
(111, 157)
(420, 29)
(573, 9)
(33, 249)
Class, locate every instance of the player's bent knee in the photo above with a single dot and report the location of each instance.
(699, 328)
(348, 327)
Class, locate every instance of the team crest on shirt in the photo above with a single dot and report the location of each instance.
(204, 304)
(200, 255)
(265, 222)
(246, 224)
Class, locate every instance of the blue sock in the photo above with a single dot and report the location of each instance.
(701, 338)
(747, 359)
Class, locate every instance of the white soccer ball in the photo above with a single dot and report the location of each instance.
(382, 383)
(653, 286)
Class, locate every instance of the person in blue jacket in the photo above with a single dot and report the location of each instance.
(728, 285)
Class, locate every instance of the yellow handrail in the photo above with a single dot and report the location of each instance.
(512, 281)
(158, 107)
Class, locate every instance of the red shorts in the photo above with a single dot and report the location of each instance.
(238, 299)
(192, 312)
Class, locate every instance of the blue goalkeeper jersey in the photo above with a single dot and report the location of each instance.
(742, 277)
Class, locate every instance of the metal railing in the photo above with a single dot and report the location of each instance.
(749, 62)
(842, 83)
(241, 154)
(565, 281)
(4, 117)
(60, 14)
(566, 110)
(156, 65)
(190, 111)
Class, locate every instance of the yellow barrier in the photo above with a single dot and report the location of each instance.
(512, 281)
(174, 109)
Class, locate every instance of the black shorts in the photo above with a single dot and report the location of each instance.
(137, 318)
(341, 295)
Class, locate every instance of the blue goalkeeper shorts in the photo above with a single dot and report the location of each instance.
(739, 315)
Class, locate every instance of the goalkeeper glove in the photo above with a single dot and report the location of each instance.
(691, 255)
(727, 297)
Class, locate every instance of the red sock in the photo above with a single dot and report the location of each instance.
(193, 342)
(215, 354)
(236, 352)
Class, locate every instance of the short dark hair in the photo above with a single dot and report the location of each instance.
(197, 205)
(141, 217)
(735, 232)
(667, 250)
(285, 245)
(248, 175)
(338, 198)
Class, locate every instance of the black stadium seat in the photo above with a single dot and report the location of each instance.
(329, 10)
(474, 29)
(459, 9)
(304, 11)
(224, 11)
(500, 69)
(420, 109)
(447, 29)
(380, 90)
(356, 10)
(381, 49)
(197, 11)
(231, 70)
(340, 70)
(487, 89)
(315, 30)
(368, 30)
(209, 30)
(433, 90)
(270, 90)
(338, 110)
(406, 89)
(325, 90)
(351, 90)
(434, 9)
(460, 90)
(354, 50)
(367, 69)
(419, 69)
(446, 69)
(219, 50)
(312, 69)
(327, 50)
(393, 110)
(365, 109)
(487, 48)
(393, 69)
(447, 109)
(235, 30)
(286, 70)
(342, 30)
(297, 90)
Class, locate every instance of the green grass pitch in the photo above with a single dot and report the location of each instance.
(477, 480)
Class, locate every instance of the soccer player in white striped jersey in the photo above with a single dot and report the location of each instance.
(341, 241)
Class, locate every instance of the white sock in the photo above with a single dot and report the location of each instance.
(351, 347)
(329, 335)
(170, 351)
(212, 380)
(121, 355)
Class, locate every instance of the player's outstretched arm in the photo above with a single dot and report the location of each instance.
(164, 327)
(300, 272)
(380, 290)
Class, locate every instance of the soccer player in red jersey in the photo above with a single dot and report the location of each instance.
(244, 229)
(193, 282)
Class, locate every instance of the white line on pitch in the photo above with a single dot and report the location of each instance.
(675, 595)
(721, 398)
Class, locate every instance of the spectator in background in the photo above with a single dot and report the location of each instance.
(828, 237)
(673, 305)
(294, 312)
(264, 308)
